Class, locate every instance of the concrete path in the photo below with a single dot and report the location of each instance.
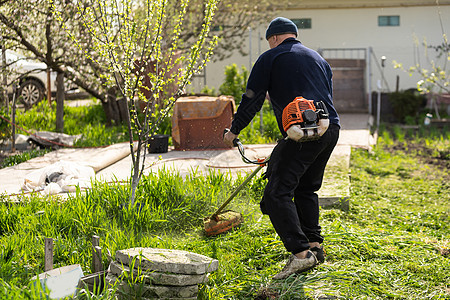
(114, 162)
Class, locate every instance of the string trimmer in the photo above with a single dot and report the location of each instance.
(303, 120)
(221, 221)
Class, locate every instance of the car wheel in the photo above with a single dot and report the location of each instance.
(30, 92)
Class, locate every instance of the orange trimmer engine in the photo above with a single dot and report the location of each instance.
(303, 120)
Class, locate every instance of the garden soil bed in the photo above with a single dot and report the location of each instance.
(426, 155)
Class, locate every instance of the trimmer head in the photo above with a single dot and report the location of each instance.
(219, 221)
(222, 222)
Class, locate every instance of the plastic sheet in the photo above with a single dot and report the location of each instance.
(59, 177)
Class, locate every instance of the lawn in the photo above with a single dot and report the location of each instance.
(393, 243)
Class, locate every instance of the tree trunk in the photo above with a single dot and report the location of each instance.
(108, 112)
(4, 78)
(115, 110)
(112, 107)
(123, 110)
(60, 102)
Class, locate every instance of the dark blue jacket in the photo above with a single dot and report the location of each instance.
(287, 71)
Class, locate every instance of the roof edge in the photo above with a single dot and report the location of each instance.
(330, 4)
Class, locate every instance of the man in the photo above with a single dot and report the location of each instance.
(295, 170)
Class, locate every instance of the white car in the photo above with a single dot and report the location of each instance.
(30, 77)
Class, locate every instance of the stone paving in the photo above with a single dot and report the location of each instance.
(167, 260)
(160, 278)
(160, 273)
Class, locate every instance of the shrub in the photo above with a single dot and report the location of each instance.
(253, 134)
(208, 91)
(407, 104)
(235, 85)
(235, 82)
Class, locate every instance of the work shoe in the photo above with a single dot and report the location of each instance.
(319, 253)
(297, 265)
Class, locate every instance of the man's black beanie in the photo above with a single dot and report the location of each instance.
(281, 25)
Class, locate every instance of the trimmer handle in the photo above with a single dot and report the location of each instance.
(236, 141)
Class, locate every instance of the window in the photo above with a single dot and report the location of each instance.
(302, 23)
(388, 20)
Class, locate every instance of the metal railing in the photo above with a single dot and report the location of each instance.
(351, 53)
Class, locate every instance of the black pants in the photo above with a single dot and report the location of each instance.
(295, 171)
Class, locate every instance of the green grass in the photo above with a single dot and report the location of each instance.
(24, 156)
(89, 121)
(393, 243)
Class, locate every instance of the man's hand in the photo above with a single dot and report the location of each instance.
(229, 137)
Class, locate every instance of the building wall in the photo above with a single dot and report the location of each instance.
(314, 4)
(356, 28)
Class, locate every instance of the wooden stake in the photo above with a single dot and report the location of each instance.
(95, 240)
(96, 254)
(48, 254)
(97, 259)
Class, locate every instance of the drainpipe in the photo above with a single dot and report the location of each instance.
(380, 90)
(369, 78)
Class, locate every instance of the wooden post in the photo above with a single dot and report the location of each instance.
(48, 256)
(95, 240)
(97, 259)
(96, 254)
(49, 87)
(60, 102)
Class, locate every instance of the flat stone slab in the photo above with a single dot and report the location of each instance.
(152, 291)
(158, 278)
(167, 260)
